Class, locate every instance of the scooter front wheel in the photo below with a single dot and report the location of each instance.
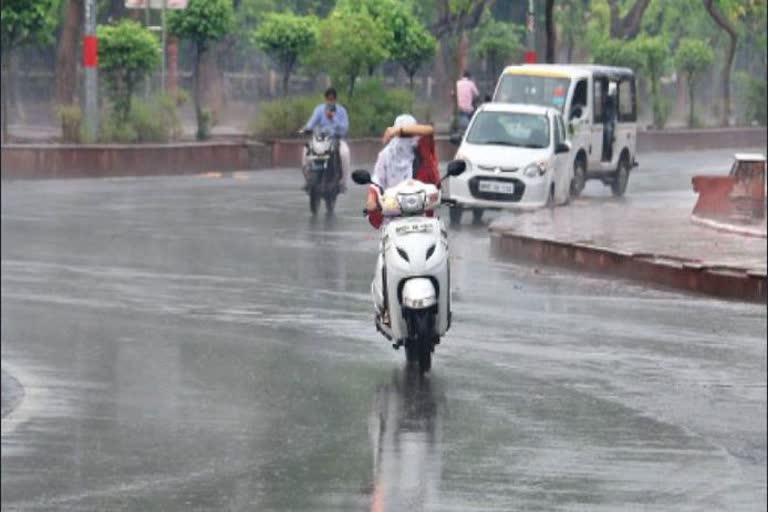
(420, 344)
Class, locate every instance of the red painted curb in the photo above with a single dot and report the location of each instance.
(679, 273)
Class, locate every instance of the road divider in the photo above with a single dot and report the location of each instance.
(40, 161)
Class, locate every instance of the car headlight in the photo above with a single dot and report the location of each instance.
(412, 203)
(535, 169)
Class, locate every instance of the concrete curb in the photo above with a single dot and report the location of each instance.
(679, 273)
(730, 228)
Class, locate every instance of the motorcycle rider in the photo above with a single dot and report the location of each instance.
(333, 119)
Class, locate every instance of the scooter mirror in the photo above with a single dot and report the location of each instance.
(456, 167)
(361, 177)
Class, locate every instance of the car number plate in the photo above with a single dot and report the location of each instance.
(498, 187)
(414, 228)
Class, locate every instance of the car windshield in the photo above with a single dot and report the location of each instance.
(533, 90)
(510, 129)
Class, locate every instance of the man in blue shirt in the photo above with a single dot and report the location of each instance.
(333, 118)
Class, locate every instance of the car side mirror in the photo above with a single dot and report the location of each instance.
(455, 139)
(576, 113)
(361, 177)
(456, 167)
(563, 147)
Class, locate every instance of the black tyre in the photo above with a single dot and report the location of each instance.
(455, 213)
(421, 341)
(551, 197)
(425, 358)
(314, 200)
(477, 216)
(619, 185)
(330, 204)
(579, 177)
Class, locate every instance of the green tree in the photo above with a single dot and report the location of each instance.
(411, 44)
(22, 22)
(286, 38)
(498, 41)
(128, 52)
(350, 43)
(693, 56)
(654, 53)
(615, 52)
(203, 22)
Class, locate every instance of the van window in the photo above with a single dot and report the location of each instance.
(580, 94)
(627, 103)
(599, 98)
(533, 90)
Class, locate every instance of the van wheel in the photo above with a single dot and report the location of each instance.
(579, 177)
(455, 213)
(477, 216)
(619, 185)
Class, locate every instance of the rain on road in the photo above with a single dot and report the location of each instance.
(193, 343)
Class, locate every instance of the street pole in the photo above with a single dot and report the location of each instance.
(146, 20)
(162, 71)
(90, 65)
(530, 40)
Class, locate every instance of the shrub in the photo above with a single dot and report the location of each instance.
(71, 119)
(370, 110)
(754, 92)
(154, 121)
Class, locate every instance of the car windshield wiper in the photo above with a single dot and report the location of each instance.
(533, 146)
(500, 143)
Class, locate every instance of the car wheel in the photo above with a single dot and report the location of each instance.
(477, 216)
(551, 197)
(455, 213)
(579, 177)
(619, 185)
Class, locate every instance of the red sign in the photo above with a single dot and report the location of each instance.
(90, 52)
(530, 57)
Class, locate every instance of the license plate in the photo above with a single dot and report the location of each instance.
(497, 187)
(413, 228)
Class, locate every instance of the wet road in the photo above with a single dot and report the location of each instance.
(198, 344)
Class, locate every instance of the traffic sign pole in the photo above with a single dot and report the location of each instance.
(90, 66)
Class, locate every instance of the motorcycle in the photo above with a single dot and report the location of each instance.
(322, 170)
(411, 287)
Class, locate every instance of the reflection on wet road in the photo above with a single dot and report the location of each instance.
(198, 344)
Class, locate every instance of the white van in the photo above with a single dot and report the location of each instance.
(599, 104)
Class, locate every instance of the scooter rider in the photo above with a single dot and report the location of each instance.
(409, 153)
(333, 119)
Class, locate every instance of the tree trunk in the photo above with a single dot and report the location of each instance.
(211, 80)
(725, 76)
(629, 26)
(66, 54)
(286, 78)
(690, 101)
(549, 25)
(6, 70)
(199, 51)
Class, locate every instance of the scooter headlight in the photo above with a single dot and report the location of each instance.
(412, 203)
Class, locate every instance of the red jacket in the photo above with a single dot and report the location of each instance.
(426, 172)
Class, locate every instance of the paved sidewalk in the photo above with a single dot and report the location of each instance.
(658, 223)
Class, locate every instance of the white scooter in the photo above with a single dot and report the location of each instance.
(411, 287)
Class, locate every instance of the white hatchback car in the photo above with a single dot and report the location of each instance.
(517, 157)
